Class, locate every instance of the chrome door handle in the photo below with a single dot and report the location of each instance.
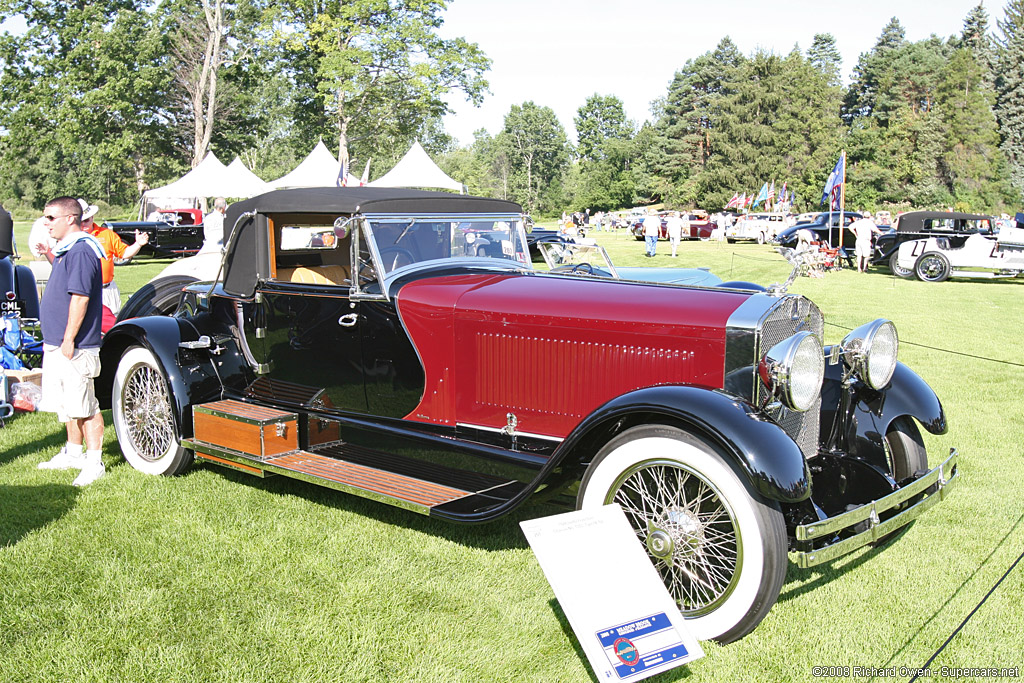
(348, 320)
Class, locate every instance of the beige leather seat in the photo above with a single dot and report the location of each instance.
(315, 275)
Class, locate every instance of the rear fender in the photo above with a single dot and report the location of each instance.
(759, 448)
(190, 382)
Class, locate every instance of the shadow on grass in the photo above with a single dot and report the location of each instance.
(52, 441)
(501, 534)
(27, 508)
(910, 638)
(825, 573)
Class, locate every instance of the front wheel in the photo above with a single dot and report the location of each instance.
(719, 547)
(143, 416)
(760, 238)
(932, 267)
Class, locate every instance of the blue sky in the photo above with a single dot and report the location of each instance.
(559, 52)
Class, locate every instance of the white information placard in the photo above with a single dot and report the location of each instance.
(624, 618)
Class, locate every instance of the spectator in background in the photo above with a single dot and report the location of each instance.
(652, 228)
(70, 314)
(674, 227)
(38, 237)
(863, 229)
(213, 227)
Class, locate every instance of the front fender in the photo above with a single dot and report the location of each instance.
(161, 335)
(771, 460)
(872, 412)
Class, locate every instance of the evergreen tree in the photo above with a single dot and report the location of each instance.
(872, 69)
(1009, 86)
(824, 56)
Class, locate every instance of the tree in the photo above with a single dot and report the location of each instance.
(1009, 87)
(82, 97)
(824, 56)
(599, 120)
(375, 69)
(872, 69)
(537, 153)
(601, 178)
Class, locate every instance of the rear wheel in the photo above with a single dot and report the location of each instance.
(143, 416)
(932, 267)
(159, 297)
(760, 238)
(720, 548)
(898, 270)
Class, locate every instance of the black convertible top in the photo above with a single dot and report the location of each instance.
(350, 200)
(249, 258)
(913, 221)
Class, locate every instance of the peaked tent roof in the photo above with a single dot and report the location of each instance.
(239, 181)
(416, 169)
(197, 182)
(319, 169)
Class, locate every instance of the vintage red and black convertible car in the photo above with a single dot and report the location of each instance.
(356, 338)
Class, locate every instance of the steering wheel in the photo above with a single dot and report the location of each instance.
(395, 257)
(583, 268)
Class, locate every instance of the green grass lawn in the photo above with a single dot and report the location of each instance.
(217, 576)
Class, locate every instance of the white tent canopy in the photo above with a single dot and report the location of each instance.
(416, 169)
(319, 169)
(239, 181)
(199, 182)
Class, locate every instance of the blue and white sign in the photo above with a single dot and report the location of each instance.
(625, 620)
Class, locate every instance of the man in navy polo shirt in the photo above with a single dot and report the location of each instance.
(70, 313)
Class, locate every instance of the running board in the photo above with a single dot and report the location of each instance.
(264, 441)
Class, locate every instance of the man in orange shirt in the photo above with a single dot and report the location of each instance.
(113, 247)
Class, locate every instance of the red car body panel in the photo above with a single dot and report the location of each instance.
(495, 344)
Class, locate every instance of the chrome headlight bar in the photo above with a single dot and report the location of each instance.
(870, 352)
(793, 370)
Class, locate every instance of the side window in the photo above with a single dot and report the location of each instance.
(309, 249)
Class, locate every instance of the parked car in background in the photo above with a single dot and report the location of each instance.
(915, 225)
(356, 340)
(979, 255)
(756, 227)
(178, 232)
(824, 231)
(638, 226)
(883, 219)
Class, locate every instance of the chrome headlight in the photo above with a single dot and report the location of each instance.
(870, 352)
(793, 370)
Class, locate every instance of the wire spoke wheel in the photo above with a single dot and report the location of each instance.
(148, 412)
(144, 416)
(719, 547)
(932, 267)
(690, 533)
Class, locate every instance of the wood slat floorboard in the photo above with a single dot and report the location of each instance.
(368, 478)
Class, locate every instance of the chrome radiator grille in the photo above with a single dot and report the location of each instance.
(791, 315)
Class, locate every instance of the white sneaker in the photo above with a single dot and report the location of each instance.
(63, 461)
(91, 471)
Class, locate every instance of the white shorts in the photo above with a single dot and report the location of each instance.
(111, 297)
(68, 384)
(863, 249)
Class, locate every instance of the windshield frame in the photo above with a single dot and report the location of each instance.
(365, 236)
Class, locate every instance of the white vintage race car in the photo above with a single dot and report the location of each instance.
(981, 255)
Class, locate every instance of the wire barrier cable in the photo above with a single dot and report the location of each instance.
(967, 618)
(935, 348)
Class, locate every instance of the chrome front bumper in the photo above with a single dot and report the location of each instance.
(942, 478)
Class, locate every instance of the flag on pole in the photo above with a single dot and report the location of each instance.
(366, 174)
(343, 173)
(771, 192)
(761, 196)
(750, 198)
(782, 195)
(733, 201)
(835, 179)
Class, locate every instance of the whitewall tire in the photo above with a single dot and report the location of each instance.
(719, 546)
(143, 416)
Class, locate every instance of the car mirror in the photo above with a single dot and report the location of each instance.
(341, 228)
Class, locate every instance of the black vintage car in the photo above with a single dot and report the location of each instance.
(825, 231)
(915, 225)
(359, 339)
(177, 233)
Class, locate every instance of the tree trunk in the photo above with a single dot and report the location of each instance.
(204, 98)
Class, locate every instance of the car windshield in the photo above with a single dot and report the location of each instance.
(406, 240)
(591, 259)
